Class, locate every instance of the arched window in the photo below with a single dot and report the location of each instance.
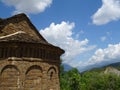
(33, 77)
(10, 77)
(52, 79)
(51, 73)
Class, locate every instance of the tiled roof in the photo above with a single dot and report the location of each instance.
(19, 28)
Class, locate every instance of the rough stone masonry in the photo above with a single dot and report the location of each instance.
(27, 60)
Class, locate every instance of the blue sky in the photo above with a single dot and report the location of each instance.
(87, 30)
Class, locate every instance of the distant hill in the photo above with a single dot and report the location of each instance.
(67, 67)
(98, 69)
(117, 65)
(113, 68)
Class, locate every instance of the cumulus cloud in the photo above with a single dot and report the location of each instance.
(109, 11)
(109, 54)
(28, 6)
(61, 35)
(101, 57)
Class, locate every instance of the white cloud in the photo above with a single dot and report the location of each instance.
(79, 33)
(103, 38)
(109, 11)
(28, 6)
(101, 57)
(110, 54)
(61, 35)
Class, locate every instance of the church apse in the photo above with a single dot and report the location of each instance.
(27, 60)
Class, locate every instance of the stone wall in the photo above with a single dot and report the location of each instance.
(26, 74)
(27, 66)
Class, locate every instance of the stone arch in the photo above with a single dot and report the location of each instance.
(10, 77)
(51, 72)
(33, 77)
(9, 66)
(34, 67)
(52, 78)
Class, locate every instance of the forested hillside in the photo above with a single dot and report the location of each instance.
(96, 79)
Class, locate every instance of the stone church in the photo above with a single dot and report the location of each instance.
(27, 60)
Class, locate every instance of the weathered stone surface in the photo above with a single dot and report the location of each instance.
(27, 60)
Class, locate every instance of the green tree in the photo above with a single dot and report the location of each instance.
(74, 77)
(69, 80)
(90, 80)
